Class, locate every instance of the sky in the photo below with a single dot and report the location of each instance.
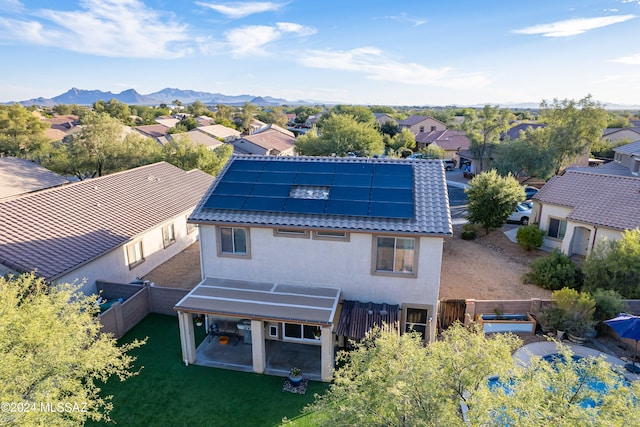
(420, 52)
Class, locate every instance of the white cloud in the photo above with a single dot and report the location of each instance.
(113, 28)
(631, 59)
(237, 10)
(372, 62)
(572, 27)
(251, 40)
(405, 17)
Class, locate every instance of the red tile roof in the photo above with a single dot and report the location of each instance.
(448, 140)
(54, 231)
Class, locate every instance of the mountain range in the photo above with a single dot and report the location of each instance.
(164, 96)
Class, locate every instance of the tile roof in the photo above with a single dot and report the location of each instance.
(610, 168)
(19, 176)
(604, 200)
(57, 230)
(414, 120)
(271, 126)
(448, 140)
(153, 131)
(198, 138)
(431, 214)
(272, 139)
(514, 132)
(218, 131)
(631, 149)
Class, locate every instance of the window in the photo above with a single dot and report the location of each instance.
(331, 235)
(557, 228)
(168, 235)
(433, 128)
(417, 320)
(291, 232)
(295, 331)
(395, 255)
(233, 241)
(421, 128)
(135, 256)
(190, 227)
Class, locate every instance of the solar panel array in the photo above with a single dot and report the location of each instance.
(380, 190)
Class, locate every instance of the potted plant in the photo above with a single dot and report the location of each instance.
(317, 333)
(295, 376)
(199, 320)
(552, 318)
(579, 307)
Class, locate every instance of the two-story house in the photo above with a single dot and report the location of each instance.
(417, 124)
(312, 250)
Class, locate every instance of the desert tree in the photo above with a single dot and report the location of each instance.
(492, 198)
(21, 132)
(53, 353)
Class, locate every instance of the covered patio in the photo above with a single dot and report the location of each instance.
(271, 313)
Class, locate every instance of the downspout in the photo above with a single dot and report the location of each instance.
(593, 243)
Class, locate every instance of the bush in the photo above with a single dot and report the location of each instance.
(609, 304)
(555, 271)
(530, 237)
(469, 232)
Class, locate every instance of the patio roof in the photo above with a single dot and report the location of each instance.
(264, 301)
(357, 318)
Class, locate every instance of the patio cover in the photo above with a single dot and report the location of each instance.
(357, 318)
(262, 301)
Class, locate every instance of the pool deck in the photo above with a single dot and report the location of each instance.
(525, 352)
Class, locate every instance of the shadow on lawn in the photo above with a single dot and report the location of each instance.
(166, 392)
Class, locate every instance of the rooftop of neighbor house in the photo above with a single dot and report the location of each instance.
(414, 120)
(19, 176)
(197, 138)
(337, 193)
(446, 139)
(56, 230)
(271, 139)
(631, 149)
(605, 200)
(218, 131)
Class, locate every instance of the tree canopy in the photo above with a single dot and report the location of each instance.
(484, 128)
(615, 265)
(341, 135)
(21, 132)
(492, 198)
(52, 351)
(183, 153)
(394, 380)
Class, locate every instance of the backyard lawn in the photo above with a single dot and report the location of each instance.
(166, 392)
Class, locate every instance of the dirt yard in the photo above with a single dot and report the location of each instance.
(490, 267)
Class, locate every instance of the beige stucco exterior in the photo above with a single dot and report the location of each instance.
(113, 266)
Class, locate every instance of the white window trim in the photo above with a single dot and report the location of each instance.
(318, 235)
(374, 257)
(140, 260)
(428, 309)
(295, 233)
(168, 242)
(285, 337)
(560, 220)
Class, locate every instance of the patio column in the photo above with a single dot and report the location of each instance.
(258, 347)
(187, 337)
(326, 354)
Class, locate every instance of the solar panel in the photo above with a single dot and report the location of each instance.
(248, 165)
(305, 206)
(350, 193)
(318, 167)
(391, 169)
(265, 204)
(323, 179)
(281, 167)
(232, 188)
(347, 207)
(241, 176)
(277, 177)
(391, 210)
(396, 195)
(392, 181)
(225, 202)
(347, 180)
(270, 190)
(354, 168)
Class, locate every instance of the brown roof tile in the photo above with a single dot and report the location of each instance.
(55, 231)
(603, 200)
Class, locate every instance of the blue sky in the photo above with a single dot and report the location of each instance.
(347, 51)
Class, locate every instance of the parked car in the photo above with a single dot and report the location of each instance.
(528, 204)
(448, 163)
(530, 192)
(520, 214)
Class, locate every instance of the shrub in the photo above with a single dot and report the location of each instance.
(530, 237)
(609, 304)
(579, 306)
(469, 231)
(552, 317)
(555, 271)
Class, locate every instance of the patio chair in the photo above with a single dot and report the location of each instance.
(213, 331)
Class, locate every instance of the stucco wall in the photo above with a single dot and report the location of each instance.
(345, 265)
(551, 211)
(113, 266)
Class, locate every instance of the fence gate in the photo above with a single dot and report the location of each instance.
(450, 311)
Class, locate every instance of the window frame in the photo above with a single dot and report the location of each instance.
(190, 227)
(558, 229)
(303, 328)
(234, 254)
(166, 242)
(295, 233)
(129, 249)
(318, 235)
(405, 274)
(427, 325)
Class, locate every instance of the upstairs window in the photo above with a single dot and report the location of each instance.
(233, 241)
(135, 256)
(395, 255)
(168, 235)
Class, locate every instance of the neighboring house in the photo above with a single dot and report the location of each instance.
(417, 124)
(20, 176)
(61, 126)
(285, 240)
(219, 131)
(515, 131)
(169, 122)
(205, 120)
(616, 134)
(153, 131)
(382, 118)
(198, 138)
(451, 141)
(271, 140)
(628, 156)
(113, 228)
(578, 209)
(255, 126)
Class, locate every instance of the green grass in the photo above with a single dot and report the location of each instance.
(166, 392)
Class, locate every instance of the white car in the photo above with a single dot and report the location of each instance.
(520, 214)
